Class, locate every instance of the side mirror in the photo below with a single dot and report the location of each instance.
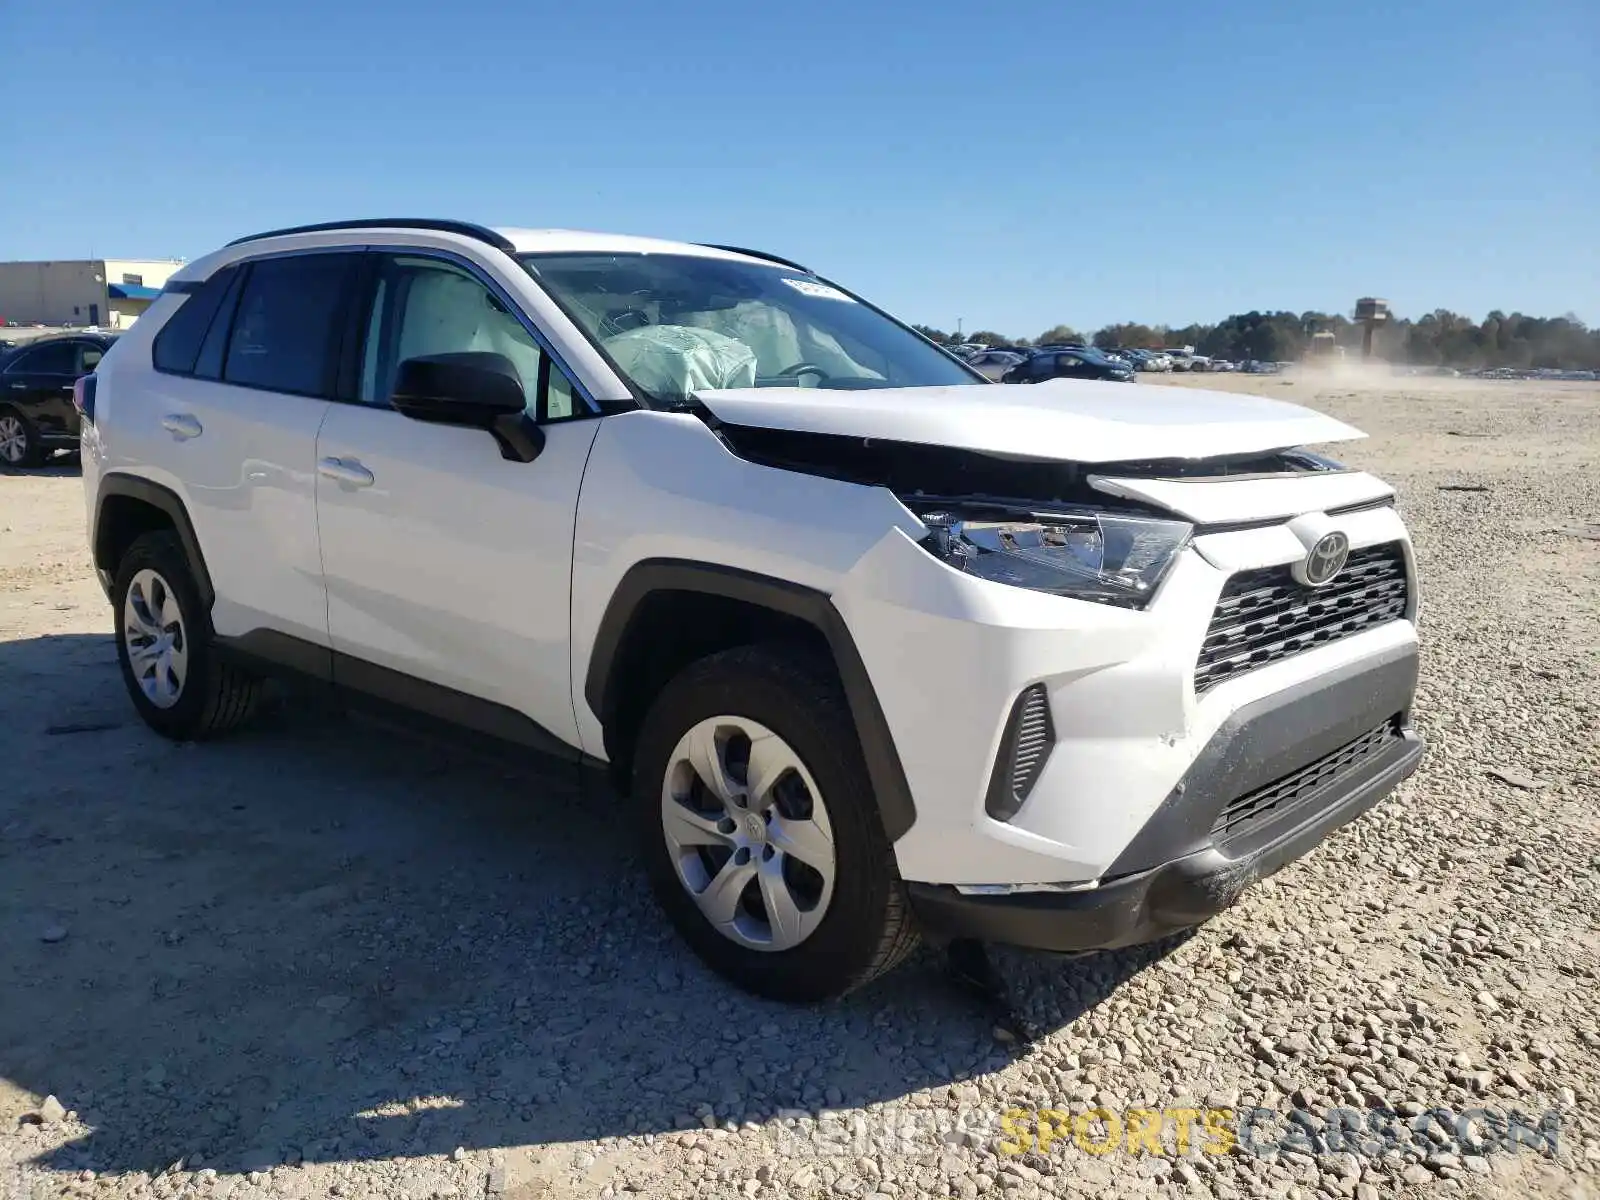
(474, 388)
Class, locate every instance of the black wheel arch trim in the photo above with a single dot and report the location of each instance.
(136, 487)
(601, 685)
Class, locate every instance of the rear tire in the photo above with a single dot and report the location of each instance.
(786, 749)
(20, 447)
(174, 675)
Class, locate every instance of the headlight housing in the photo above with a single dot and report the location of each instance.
(1105, 558)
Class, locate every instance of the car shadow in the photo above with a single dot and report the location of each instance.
(63, 465)
(326, 940)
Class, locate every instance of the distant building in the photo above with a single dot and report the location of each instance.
(106, 292)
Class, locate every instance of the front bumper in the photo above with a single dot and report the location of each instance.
(1180, 870)
(949, 655)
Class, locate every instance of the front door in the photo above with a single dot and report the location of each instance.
(448, 568)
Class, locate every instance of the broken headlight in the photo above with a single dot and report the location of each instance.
(1102, 557)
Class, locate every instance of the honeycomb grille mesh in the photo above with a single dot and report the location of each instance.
(1265, 615)
(1300, 789)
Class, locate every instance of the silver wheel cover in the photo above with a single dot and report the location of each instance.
(13, 439)
(157, 642)
(748, 833)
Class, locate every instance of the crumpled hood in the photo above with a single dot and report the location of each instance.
(1078, 421)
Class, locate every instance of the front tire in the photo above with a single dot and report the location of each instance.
(761, 835)
(20, 447)
(180, 685)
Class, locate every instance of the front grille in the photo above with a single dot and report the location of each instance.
(1299, 790)
(1266, 614)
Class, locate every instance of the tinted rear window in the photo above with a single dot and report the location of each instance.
(286, 329)
(178, 344)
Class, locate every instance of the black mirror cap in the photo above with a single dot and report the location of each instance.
(468, 387)
(475, 388)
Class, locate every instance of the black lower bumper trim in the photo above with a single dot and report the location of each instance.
(1152, 904)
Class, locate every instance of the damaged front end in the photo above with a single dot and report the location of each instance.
(1045, 525)
(937, 475)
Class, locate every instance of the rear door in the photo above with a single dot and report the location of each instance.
(235, 419)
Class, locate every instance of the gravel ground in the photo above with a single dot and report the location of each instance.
(322, 959)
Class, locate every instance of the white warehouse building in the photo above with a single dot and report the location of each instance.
(105, 292)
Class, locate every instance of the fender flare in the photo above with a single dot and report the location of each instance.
(601, 687)
(136, 487)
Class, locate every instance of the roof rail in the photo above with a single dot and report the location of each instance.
(787, 262)
(464, 228)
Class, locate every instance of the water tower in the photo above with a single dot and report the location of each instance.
(1370, 313)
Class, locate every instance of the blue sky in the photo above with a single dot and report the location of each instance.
(1012, 166)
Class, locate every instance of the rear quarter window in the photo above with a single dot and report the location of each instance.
(177, 345)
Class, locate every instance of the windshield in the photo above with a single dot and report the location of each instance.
(673, 324)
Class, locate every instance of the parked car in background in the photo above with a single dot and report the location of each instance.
(37, 416)
(992, 364)
(1182, 360)
(1068, 364)
(1148, 360)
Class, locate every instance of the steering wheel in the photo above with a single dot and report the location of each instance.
(804, 368)
(623, 320)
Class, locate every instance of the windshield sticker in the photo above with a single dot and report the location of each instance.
(809, 287)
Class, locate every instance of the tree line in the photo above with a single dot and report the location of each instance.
(1438, 339)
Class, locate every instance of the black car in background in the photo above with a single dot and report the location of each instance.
(1081, 363)
(36, 378)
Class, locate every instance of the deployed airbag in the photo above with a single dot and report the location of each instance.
(674, 360)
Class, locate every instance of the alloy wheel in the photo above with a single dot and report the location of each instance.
(156, 641)
(13, 439)
(748, 833)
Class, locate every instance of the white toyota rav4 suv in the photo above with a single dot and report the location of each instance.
(876, 648)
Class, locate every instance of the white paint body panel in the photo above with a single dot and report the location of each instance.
(1226, 501)
(949, 653)
(454, 566)
(661, 485)
(247, 481)
(1084, 421)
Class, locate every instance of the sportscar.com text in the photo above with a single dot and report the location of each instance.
(1181, 1132)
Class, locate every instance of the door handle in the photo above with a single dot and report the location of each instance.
(19, 387)
(345, 470)
(182, 426)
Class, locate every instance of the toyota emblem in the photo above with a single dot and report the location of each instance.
(1326, 559)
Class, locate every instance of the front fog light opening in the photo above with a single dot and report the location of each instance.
(1029, 736)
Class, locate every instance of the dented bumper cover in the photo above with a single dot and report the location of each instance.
(1183, 871)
